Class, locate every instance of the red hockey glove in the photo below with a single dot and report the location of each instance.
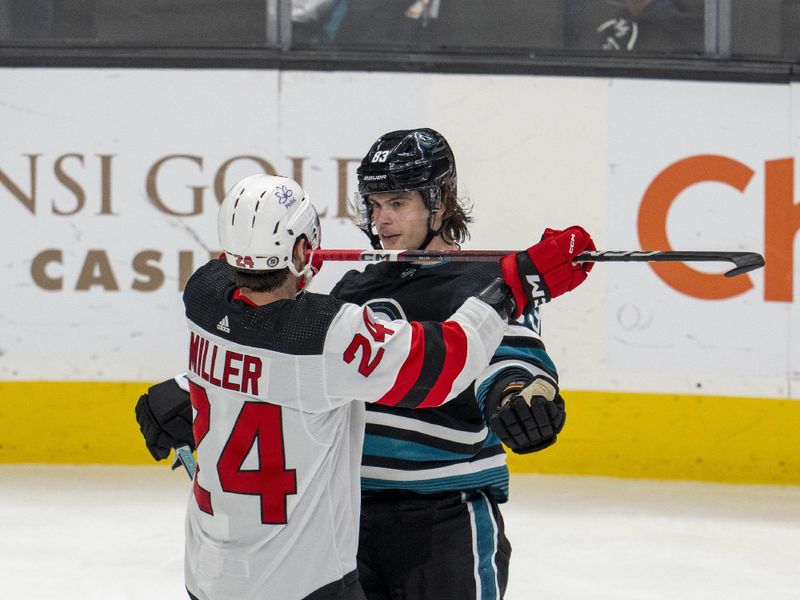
(545, 270)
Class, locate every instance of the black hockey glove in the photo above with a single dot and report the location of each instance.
(164, 415)
(527, 417)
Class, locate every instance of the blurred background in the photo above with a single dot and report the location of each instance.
(482, 30)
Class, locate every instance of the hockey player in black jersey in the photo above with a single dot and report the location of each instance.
(432, 480)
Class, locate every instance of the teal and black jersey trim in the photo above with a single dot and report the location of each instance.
(414, 457)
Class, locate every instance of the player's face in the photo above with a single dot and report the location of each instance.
(400, 218)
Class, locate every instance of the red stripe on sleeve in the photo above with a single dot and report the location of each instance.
(455, 357)
(409, 372)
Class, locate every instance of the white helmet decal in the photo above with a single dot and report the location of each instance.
(260, 219)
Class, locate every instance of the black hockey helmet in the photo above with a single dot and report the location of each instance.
(406, 160)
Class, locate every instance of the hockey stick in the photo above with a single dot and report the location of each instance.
(743, 261)
(184, 458)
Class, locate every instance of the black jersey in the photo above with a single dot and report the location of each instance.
(450, 447)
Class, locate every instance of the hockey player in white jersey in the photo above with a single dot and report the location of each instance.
(274, 381)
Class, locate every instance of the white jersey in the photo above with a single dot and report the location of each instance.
(274, 511)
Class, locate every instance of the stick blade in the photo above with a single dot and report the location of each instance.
(745, 262)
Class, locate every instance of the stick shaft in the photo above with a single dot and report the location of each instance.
(184, 458)
(744, 261)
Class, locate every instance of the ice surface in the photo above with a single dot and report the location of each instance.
(116, 533)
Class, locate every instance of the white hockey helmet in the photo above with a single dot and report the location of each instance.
(260, 220)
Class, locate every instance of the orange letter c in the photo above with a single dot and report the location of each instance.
(652, 222)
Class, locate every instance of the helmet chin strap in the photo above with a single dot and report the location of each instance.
(374, 240)
(432, 233)
(303, 275)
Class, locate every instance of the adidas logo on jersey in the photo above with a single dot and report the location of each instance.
(224, 325)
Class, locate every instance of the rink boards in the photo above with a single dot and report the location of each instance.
(110, 180)
(705, 438)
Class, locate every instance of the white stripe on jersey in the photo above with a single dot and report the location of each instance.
(465, 468)
(521, 331)
(439, 431)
